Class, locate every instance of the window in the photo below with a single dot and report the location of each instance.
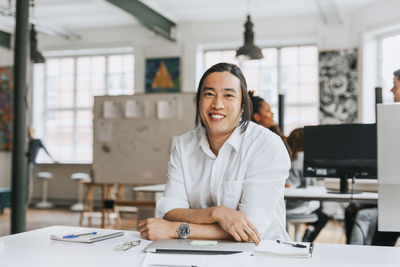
(66, 102)
(291, 70)
(390, 62)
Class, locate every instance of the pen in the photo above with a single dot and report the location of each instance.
(311, 249)
(73, 236)
(290, 244)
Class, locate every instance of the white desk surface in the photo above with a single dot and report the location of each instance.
(35, 248)
(309, 193)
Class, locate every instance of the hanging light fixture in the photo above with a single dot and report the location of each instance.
(249, 50)
(36, 56)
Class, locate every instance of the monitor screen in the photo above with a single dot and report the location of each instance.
(344, 150)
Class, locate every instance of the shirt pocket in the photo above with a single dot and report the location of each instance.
(231, 192)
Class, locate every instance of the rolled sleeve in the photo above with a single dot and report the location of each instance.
(263, 187)
(175, 195)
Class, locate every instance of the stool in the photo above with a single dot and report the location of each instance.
(107, 214)
(45, 177)
(81, 178)
(297, 220)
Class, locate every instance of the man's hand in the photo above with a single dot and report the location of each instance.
(156, 228)
(236, 224)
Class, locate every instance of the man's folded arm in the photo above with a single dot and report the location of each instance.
(199, 216)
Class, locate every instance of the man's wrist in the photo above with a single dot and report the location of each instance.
(174, 233)
(215, 214)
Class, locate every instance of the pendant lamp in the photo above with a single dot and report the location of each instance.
(249, 50)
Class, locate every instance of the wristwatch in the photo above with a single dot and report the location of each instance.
(183, 230)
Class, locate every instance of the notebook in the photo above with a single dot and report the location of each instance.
(190, 246)
(86, 236)
(272, 248)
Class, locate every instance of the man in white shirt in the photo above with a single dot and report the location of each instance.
(225, 178)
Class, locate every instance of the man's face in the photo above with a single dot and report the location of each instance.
(220, 103)
(264, 116)
(396, 89)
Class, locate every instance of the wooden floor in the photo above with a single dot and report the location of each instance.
(332, 233)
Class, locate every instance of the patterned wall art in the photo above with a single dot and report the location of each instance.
(6, 108)
(162, 75)
(337, 84)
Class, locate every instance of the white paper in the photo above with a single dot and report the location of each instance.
(168, 109)
(273, 248)
(112, 109)
(240, 259)
(134, 109)
(103, 131)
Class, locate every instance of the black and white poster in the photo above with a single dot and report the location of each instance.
(337, 84)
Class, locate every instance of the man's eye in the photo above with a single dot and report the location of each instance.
(229, 95)
(208, 94)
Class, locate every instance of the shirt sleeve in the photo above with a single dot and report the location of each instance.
(175, 195)
(263, 186)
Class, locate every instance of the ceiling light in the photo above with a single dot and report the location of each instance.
(36, 56)
(249, 50)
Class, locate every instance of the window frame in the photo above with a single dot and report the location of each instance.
(75, 55)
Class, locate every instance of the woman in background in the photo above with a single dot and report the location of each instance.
(296, 179)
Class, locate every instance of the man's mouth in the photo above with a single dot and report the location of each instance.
(216, 116)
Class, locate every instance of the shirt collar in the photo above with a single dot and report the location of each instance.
(234, 140)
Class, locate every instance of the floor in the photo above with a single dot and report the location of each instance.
(332, 233)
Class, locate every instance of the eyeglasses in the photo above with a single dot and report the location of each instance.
(128, 245)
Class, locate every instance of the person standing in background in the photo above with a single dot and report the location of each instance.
(34, 146)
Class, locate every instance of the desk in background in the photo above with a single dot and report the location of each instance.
(35, 248)
(309, 193)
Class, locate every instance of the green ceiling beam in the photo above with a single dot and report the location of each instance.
(5, 39)
(148, 17)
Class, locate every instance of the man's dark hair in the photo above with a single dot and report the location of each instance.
(246, 102)
(397, 74)
(256, 103)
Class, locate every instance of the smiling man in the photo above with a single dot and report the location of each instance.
(225, 178)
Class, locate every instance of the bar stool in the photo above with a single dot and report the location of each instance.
(297, 220)
(45, 177)
(81, 178)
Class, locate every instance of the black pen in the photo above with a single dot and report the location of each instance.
(311, 249)
(291, 244)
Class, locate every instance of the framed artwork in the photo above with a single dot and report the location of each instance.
(6, 108)
(338, 80)
(162, 75)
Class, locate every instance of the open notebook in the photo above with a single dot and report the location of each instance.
(272, 248)
(86, 236)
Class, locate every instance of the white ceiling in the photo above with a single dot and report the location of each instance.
(80, 14)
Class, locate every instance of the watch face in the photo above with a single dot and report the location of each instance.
(184, 231)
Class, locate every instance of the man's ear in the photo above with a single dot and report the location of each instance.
(256, 117)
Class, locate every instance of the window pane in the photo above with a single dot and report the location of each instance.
(67, 129)
(299, 117)
(60, 83)
(84, 135)
(59, 134)
(390, 63)
(120, 75)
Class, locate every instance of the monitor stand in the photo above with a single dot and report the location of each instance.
(344, 187)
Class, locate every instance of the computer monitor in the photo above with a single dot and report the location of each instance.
(341, 151)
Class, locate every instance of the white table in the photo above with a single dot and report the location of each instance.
(309, 193)
(321, 193)
(35, 248)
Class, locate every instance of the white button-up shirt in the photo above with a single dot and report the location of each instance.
(248, 174)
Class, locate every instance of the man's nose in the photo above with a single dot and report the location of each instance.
(218, 103)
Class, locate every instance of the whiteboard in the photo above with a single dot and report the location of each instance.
(133, 135)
